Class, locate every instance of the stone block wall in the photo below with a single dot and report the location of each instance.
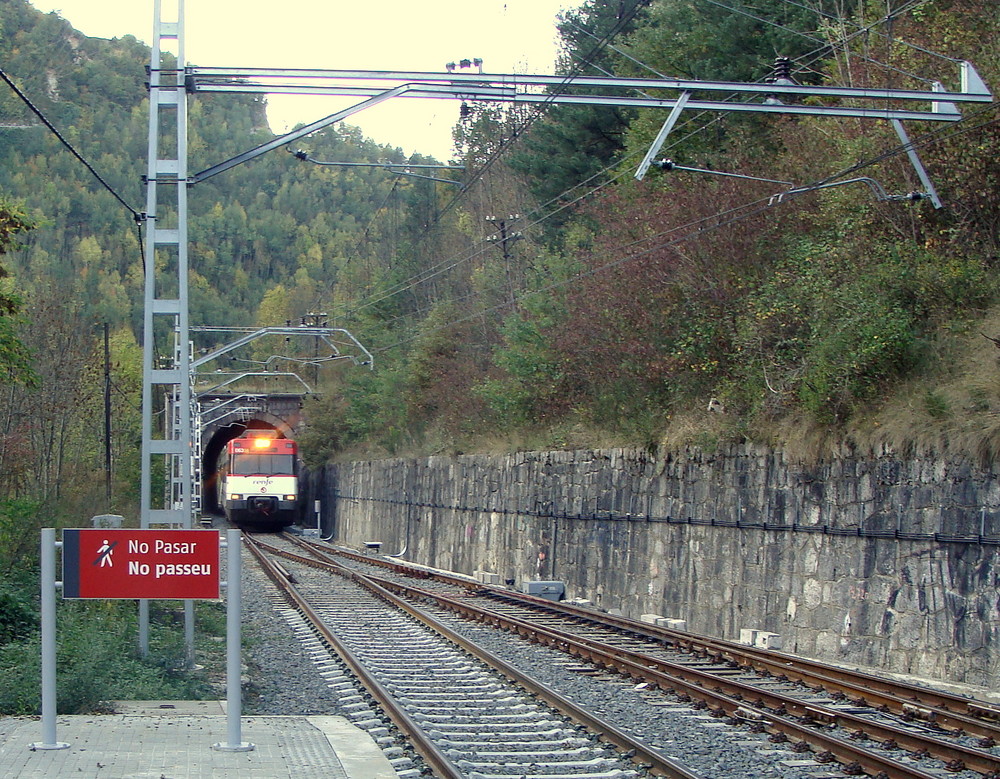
(887, 563)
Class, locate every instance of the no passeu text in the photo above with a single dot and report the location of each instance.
(181, 569)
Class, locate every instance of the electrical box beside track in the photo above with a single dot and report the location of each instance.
(544, 589)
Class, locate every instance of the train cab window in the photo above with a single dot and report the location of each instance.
(250, 464)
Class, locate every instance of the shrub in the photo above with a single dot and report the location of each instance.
(98, 662)
(18, 615)
(19, 540)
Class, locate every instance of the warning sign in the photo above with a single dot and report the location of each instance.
(181, 564)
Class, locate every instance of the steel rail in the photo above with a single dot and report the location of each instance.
(939, 707)
(943, 708)
(931, 706)
(641, 753)
(712, 688)
(728, 697)
(427, 749)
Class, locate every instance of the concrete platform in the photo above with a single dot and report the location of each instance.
(156, 740)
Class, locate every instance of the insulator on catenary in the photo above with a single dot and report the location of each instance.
(782, 69)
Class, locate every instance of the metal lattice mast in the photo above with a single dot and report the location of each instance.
(194, 414)
(166, 284)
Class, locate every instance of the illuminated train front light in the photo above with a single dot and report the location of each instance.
(234, 496)
(289, 497)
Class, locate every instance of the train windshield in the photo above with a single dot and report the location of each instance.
(250, 464)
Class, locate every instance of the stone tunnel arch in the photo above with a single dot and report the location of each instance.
(280, 414)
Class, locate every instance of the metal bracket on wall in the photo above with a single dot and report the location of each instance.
(774, 98)
(972, 88)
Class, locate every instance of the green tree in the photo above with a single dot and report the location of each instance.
(570, 144)
(14, 357)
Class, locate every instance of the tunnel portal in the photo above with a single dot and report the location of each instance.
(225, 417)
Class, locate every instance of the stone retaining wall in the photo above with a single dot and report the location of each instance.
(886, 563)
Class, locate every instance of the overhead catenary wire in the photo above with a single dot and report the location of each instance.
(450, 263)
(706, 224)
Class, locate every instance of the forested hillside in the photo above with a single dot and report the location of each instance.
(847, 314)
(553, 300)
(270, 240)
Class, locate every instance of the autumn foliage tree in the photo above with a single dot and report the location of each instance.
(13, 356)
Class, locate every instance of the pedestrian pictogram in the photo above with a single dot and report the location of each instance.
(104, 554)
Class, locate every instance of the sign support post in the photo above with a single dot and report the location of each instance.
(141, 564)
(234, 605)
(48, 593)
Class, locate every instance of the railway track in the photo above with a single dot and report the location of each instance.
(866, 724)
(465, 712)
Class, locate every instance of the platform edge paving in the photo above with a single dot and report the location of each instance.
(170, 746)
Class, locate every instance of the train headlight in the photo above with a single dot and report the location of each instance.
(289, 497)
(234, 496)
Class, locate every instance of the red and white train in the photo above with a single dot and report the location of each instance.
(258, 482)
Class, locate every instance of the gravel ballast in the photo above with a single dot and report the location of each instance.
(284, 680)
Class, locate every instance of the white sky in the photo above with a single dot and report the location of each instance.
(510, 36)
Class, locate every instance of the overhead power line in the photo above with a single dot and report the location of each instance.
(137, 216)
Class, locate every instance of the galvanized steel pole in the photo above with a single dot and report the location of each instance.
(234, 697)
(48, 593)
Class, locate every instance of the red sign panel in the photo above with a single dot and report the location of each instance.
(182, 564)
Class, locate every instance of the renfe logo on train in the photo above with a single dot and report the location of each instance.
(151, 564)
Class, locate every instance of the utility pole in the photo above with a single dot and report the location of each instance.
(107, 417)
(314, 319)
(504, 239)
